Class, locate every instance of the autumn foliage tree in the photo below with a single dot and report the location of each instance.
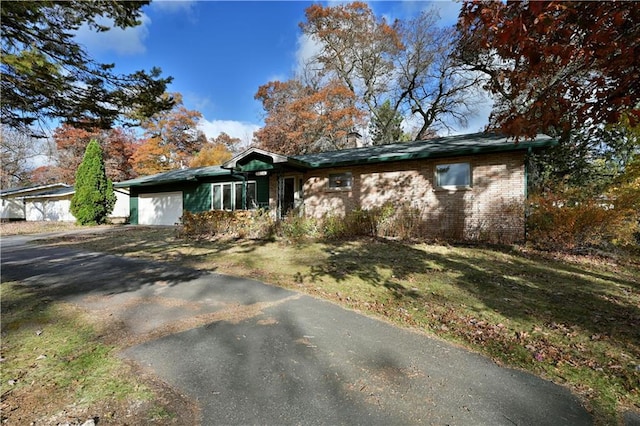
(375, 72)
(71, 142)
(216, 151)
(357, 48)
(555, 66)
(172, 139)
(301, 119)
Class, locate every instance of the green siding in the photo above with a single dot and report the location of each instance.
(262, 189)
(255, 165)
(196, 196)
(133, 209)
(198, 199)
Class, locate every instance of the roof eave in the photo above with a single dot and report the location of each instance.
(521, 146)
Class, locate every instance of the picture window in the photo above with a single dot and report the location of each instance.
(340, 181)
(453, 175)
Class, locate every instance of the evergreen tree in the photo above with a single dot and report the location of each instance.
(94, 198)
(386, 125)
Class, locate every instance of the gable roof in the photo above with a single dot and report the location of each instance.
(450, 146)
(255, 159)
(34, 189)
(192, 174)
(52, 193)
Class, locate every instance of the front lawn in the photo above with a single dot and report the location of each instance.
(57, 369)
(573, 320)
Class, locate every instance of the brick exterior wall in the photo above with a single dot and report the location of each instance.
(492, 209)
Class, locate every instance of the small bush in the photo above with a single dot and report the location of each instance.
(239, 224)
(556, 223)
(405, 222)
(296, 228)
(505, 226)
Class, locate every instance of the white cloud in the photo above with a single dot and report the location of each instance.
(448, 11)
(196, 100)
(173, 6)
(235, 129)
(128, 41)
(308, 49)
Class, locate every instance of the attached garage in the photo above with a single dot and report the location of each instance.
(162, 208)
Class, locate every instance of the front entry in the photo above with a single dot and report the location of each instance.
(289, 196)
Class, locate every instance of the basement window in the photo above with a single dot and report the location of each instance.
(340, 181)
(453, 175)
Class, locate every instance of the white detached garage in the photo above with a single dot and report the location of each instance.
(161, 208)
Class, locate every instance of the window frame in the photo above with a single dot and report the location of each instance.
(348, 177)
(232, 195)
(438, 176)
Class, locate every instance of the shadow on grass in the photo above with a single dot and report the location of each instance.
(530, 289)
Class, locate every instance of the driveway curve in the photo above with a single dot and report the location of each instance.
(251, 353)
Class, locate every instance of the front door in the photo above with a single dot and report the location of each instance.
(288, 195)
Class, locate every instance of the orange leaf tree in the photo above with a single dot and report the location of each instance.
(392, 71)
(117, 145)
(301, 119)
(216, 152)
(172, 138)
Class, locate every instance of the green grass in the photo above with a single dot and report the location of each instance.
(53, 357)
(573, 320)
(26, 228)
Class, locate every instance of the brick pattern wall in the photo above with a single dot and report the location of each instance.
(491, 210)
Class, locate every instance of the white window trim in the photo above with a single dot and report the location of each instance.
(233, 193)
(437, 187)
(349, 188)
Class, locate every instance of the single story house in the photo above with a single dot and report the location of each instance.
(463, 187)
(51, 203)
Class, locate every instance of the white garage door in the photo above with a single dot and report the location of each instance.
(163, 208)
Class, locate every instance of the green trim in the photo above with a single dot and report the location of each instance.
(255, 165)
(133, 210)
(454, 146)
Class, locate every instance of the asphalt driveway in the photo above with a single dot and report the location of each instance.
(251, 353)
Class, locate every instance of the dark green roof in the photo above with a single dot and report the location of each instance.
(450, 146)
(254, 159)
(181, 175)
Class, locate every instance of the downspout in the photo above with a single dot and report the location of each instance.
(526, 191)
(279, 195)
(243, 176)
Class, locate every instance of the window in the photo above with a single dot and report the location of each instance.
(340, 180)
(228, 195)
(455, 175)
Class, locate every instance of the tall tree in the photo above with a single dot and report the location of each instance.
(554, 65)
(172, 138)
(431, 84)
(17, 153)
(216, 151)
(356, 47)
(117, 145)
(300, 119)
(386, 125)
(94, 198)
(45, 73)
(409, 64)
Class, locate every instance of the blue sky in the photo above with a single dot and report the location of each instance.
(220, 52)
